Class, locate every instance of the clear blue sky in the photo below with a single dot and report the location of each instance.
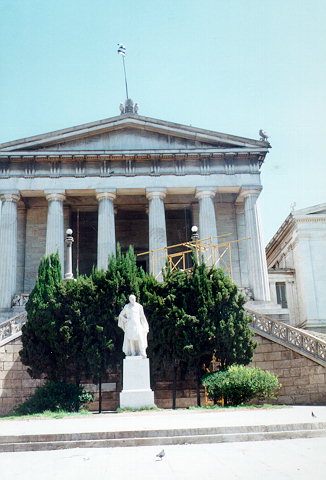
(233, 66)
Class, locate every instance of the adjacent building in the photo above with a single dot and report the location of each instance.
(134, 180)
(296, 259)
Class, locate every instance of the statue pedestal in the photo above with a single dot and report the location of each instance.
(136, 391)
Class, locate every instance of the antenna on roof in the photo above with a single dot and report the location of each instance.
(122, 51)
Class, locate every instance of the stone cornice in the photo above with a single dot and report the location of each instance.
(278, 242)
(202, 152)
(311, 219)
(129, 163)
(285, 229)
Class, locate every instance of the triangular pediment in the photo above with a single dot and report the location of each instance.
(131, 132)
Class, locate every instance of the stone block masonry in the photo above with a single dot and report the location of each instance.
(303, 380)
(15, 383)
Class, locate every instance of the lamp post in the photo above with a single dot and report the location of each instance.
(69, 241)
(194, 233)
(194, 238)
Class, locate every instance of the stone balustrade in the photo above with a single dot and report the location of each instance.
(294, 338)
(11, 328)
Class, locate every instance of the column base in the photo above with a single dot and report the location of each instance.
(136, 391)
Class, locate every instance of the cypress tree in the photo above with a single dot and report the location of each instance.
(38, 334)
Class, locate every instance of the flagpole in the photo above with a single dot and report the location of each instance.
(122, 51)
(124, 69)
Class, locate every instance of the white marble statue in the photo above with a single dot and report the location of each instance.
(133, 322)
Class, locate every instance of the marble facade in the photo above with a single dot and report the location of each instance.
(132, 179)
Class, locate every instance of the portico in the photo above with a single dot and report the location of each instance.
(133, 180)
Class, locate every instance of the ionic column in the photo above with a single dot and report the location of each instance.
(8, 248)
(207, 225)
(105, 229)
(207, 217)
(257, 267)
(157, 230)
(55, 235)
(242, 246)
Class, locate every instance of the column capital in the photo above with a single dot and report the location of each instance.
(155, 193)
(111, 195)
(205, 193)
(10, 197)
(247, 190)
(51, 196)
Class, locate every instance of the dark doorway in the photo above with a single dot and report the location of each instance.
(84, 226)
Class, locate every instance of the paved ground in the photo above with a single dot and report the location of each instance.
(279, 459)
(270, 460)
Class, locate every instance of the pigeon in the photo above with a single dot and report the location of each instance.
(161, 455)
(313, 415)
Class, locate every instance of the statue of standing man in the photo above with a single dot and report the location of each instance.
(133, 322)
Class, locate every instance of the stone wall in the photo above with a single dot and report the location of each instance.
(303, 380)
(15, 383)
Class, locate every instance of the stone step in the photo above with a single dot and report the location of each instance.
(12, 443)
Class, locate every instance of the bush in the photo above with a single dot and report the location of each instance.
(54, 396)
(239, 384)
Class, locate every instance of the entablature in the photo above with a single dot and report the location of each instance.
(109, 163)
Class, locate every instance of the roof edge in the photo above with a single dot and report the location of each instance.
(133, 120)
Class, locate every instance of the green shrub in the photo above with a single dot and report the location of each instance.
(54, 396)
(239, 384)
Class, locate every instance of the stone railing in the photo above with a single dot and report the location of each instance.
(301, 341)
(12, 328)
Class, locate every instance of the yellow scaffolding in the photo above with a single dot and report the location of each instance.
(209, 250)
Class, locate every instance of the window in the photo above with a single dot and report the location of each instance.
(281, 294)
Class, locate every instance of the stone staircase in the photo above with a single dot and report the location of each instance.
(178, 436)
(11, 328)
(301, 341)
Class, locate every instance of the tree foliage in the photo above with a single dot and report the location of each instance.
(193, 315)
(72, 328)
(112, 288)
(40, 333)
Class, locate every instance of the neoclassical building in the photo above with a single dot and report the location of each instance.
(128, 179)
(296, 258)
